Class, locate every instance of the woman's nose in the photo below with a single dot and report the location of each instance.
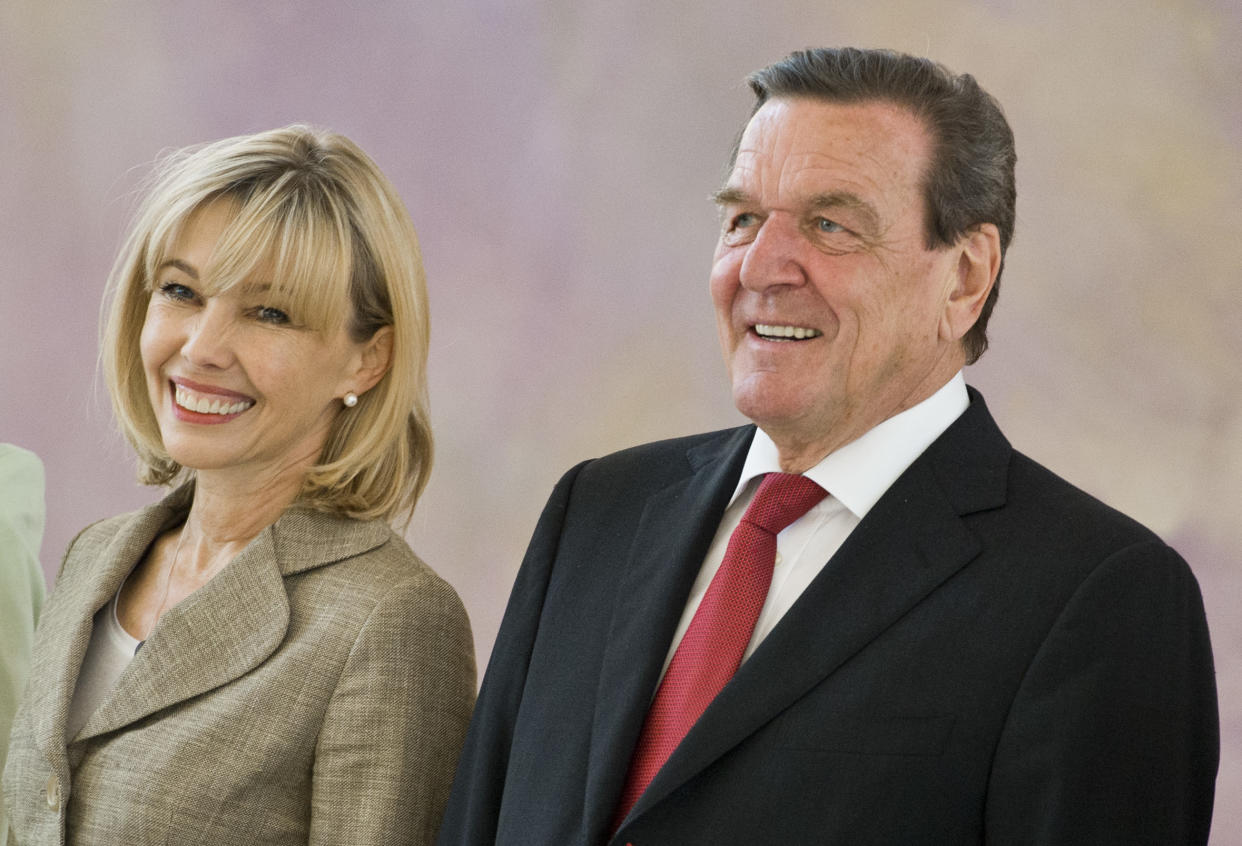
(209, 335)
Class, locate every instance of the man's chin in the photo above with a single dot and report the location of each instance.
(778, 411)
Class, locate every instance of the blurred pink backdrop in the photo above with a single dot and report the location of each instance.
(557, 157)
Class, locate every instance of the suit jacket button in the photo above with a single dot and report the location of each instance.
(53, 793)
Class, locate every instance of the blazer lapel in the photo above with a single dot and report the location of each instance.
(234, 622)
(676, 527)
(910, 543)
(98, 568)
(222, 630)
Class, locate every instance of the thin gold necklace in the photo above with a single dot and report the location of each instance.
(171, 570)
(167, 585)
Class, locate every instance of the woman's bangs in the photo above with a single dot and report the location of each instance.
(298, 254)
(294, 259)
(163, 235)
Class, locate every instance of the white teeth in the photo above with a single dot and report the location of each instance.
(206, 405)
(798, 333)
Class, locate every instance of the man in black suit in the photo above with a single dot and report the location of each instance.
(951, 646)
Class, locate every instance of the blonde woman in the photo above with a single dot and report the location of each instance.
(259, 658)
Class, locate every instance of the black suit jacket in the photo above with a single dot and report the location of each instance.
(992, 657)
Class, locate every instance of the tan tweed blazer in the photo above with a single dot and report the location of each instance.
(315, 691)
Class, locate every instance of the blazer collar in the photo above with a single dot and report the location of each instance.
(911, 542)
(218, 633)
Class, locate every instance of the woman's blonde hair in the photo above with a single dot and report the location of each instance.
(315, 211)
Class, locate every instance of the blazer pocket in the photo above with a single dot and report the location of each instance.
(870, 734)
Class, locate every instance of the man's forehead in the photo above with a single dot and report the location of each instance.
(804, 140)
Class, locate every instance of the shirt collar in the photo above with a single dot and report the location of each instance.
(860, 472)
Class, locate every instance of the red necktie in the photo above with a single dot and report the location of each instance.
(712, 647)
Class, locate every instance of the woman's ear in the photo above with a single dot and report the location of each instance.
(374, 360)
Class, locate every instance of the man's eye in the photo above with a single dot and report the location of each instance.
(267, 314)
(177, 291)
(823, 224)
(742, 220)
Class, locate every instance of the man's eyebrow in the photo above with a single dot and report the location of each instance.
(846, 200)
(187, 269)
(730, 197)
(870, 218)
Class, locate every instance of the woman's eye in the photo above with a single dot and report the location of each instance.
(177, 291)
(271, 315)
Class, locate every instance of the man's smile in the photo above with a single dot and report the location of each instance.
(774, 332)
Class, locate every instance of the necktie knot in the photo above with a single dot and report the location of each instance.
(781, 499)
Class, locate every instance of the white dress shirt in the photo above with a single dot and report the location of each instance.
(855, 476)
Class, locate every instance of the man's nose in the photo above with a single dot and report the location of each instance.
(775, 256)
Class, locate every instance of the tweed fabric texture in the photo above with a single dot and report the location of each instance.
(711, 649)
(315, 691)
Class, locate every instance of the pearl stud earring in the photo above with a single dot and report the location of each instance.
(350, 400)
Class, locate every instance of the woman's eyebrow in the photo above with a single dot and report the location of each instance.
(184, 267)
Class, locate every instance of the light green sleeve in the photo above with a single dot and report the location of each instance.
(21, 580)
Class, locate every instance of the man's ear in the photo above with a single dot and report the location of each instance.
(979, 258)
(373, 361)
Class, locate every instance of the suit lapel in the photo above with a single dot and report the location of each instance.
(676, 527)
(911, 542)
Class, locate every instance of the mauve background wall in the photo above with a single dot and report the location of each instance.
(557, 157)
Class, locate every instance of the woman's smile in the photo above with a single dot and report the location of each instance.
(191, 402)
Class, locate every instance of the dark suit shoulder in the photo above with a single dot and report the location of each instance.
(659, 463)
(1051, 540)
(1052, 501)
(1021, 508)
